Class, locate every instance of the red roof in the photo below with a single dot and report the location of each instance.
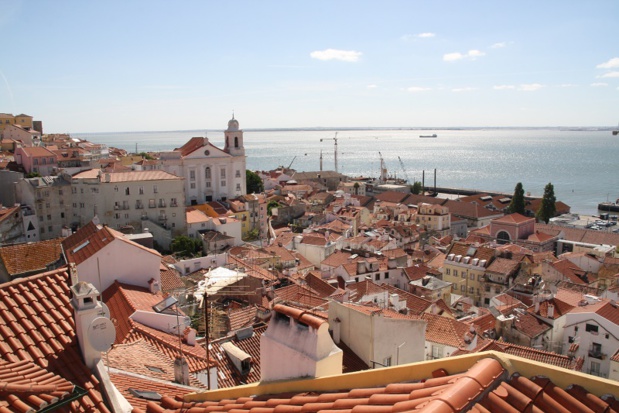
(37, 326)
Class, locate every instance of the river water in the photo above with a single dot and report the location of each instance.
(583, 165)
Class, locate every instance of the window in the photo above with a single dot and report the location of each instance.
(75, 205)
(127, 191)
(591, 328)
(49, 217)
(207, 173)
(141, 190)
(173, 202)
(377, 277)
(595, 368)
(447, 271)
(192, 175)
(473, 277)
(471, 290)
(117, 216)
(62, 215)
(73, 190)
(454, 287)
(455, 273)
(387, 361)
(151, 203)
(155, 189)
(82, 205)
(479, 277)
(125, 204)
(47, 205)
(463, 288)
(208, 184)
(192, 185)
(238, 173)
(223, 183)
(386, 275)
(60, 192)
(223, 173)
(238, 187)
(49, 228)
(116, 189)
(437, 352)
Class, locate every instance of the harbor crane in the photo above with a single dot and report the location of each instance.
(334, 150)
(404, 170)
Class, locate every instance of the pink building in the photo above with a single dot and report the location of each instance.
(37, 159)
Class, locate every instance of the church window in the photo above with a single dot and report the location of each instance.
(236, 142)
(207, 173)
(192, 175)
(238, 173)
(223, 173)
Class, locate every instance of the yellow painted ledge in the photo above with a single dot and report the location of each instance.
(412, 372)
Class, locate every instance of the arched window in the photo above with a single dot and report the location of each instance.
(502, 237)
(236, 141)
(207, 173)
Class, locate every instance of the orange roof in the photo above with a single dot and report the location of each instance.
(37, 326)
(33, 256)
(195, 216)
(484, 387)
(514, 218)
(90, 239)
(447, 331)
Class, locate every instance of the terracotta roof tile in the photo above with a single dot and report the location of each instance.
(28, 257)
(52, 344)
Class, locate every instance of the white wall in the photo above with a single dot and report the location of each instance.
(289, 350)
(120, 261)
(374, 338)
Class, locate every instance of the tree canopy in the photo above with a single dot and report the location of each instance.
(186, 247)
(253, 182)
(547, 209)
(517, 204)
(416, 188)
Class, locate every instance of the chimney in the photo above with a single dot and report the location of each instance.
(154, 286)
(551, 310)
(425, 280)
(181, 371)
(95, 333)
(190, 336)
(301, 339)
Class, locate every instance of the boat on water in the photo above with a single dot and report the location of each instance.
(616, 131)
(609, 206)
(434, 135)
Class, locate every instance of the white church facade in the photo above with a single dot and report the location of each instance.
(211, 174)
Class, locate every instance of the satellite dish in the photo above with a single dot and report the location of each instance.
(105, 311)
(101, 334)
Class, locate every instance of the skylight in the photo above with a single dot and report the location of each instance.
(145, 394)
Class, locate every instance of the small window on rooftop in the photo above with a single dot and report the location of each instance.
(145, 394)
(155, 369)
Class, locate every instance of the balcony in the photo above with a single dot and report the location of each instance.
(597, 354)
(163, 217)
(161, 203)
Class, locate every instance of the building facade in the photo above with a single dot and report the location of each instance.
(211, 174)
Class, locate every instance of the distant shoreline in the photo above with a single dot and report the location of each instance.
(351, 128)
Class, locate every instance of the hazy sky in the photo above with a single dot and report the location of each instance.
(94, 66)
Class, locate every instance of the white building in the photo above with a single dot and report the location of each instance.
(380, 337)
(136, 199)
(211, 174)
(100, 255)
(592, 332)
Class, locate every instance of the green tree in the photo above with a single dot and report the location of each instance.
(33, 175)
(254, 183)
(272, 204)
(547, 209)
(416, 188)
(146, 156)
(517, 204)
(186, 247)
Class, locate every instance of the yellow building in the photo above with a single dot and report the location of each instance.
(22, 120)
(464, 267)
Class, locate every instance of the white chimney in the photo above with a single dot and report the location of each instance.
(551, 310)
(154, 286)
(95, 333)
(303, 341)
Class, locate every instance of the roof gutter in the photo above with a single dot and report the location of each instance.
(78, 393)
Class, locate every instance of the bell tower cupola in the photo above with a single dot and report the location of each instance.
(234, 138)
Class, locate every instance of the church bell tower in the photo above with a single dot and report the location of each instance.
(234, 138)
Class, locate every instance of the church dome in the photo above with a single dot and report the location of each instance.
(233, 124)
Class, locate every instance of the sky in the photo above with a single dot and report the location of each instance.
(111, 66)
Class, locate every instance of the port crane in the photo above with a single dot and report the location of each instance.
(334, 150)
(404, 170)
